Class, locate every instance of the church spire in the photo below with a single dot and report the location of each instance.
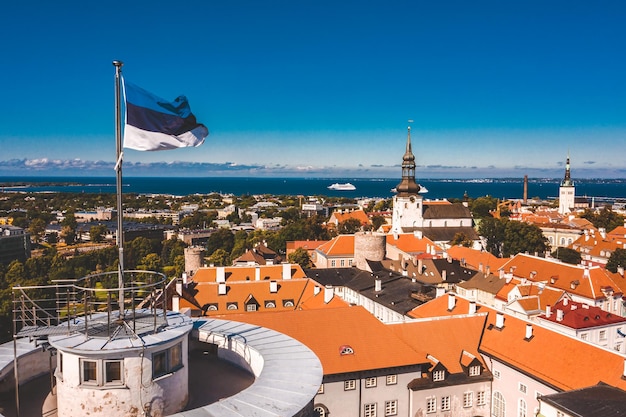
(408, 186)
(567, 181)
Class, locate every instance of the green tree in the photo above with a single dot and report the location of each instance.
(377, 221)
(617, 259)
(97, 233)
(606, 218)
(461, 239)
(151, 262)
(219, 257)
(172, 248)
(68, 229)
(349, 226)
(567, 255)
(520, 237)
(220, 239)
(492, 231)
(301, 257)
(36, 228)
(482, 207)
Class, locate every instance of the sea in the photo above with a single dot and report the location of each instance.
(609, 190)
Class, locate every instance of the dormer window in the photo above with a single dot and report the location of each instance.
(474, 370)
(439, 375)
(270, 304)
(346, 350)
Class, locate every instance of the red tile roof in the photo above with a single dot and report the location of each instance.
(342, 245)
(411, 244)
(475, 258)
(581, 316)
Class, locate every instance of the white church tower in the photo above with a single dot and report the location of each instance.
(567, 192)
(407, 203)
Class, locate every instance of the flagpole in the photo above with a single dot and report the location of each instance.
(118, 172)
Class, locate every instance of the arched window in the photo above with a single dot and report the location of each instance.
(521, 409)
(320, 410)
(499, 405)
(562, 241)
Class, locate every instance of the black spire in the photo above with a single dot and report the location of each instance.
(567, 181)
(408, 186)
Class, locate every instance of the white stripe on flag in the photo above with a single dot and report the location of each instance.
(142, 140)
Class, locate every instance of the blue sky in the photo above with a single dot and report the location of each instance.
(322, 88)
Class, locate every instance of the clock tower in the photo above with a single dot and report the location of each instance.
(407, 203)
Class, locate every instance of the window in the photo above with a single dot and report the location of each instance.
(270, 304)
(251, 307)
(618, 347)
(349, 385)
(102, 372)
(521, 409)
(346, 350)
(232, 306)
(391, 408)
(320, 390)
(320, 411)
(439, 375)
(496, 374)
(370, 382)
(445, 403)
(583, 336)
(288, 303)
(369, 410)
(349, 262)
(167, 361)
(112, 372)
(468, 399)
(480, 398)
(392, 379)
(342, 262)
(89, 372)
(333, 263)
(498, 405)
(474, 370)
(602, 334)
(431, 404)
(522, 388)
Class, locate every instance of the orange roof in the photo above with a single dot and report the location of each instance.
(342, 245)
(574, 279)
(305, 244)
(618, 233)
(474, 258)
(288, 295)
(409, 243)
(549, 356)
(329, 331)
(339, 216)
(247, 273)
(445, 340)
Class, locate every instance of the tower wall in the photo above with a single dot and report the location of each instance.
(368, 245)
(194, 259)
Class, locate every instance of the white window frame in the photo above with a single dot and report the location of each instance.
(369, 410)
(431, 404)
(392, 379)
(439, 375)
(522, 388)
(349, 385)
(100, 367)
(474, 370)
(522, 408)
(445, 403)
(468, 399)
(480, 398)
(391, 408)
(173, 360)
(371, 382)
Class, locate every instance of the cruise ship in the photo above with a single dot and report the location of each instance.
(342, 187)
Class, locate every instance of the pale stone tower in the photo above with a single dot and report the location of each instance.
(567, 192)
(407, 203)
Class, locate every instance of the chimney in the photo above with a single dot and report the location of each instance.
(529, 331)
(620, 270)
(378, 285)
(221, 288)
(286, 271)
(420, 266)
(472, 307)
(480, 267)
(487, 270)
(175, 303)
(548, 311)
(179, 286)
(586, 272)
(501, 273)
(499, 320)
(316, 290)
(451, 301)
(559, 315)
(257, 274)
(440, 292)
(220, 274)
(444, 275)
(185, 278)
(624, 373)
(565, 301)
(602, 231)
(328, 293)
(273, 286)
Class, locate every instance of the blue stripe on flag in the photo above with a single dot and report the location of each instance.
(142, 98)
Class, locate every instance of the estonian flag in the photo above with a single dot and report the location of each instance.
(154, 124)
